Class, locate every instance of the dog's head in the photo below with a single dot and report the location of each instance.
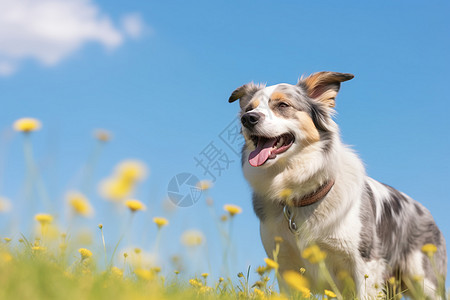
(279, 121)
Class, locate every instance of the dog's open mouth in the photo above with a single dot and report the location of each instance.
(269, 148)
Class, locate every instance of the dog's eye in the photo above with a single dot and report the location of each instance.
(283, 104)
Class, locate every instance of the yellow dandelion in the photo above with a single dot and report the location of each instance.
(135, 205)
(160, 222)
(38, 248)
(84, 253)
(204, 185)
(131, 170)
(297, 282)
(79, 204)
(144, 274)
(192, 238)
(7, 239)
(205, 275)
(221, 279)
(115, 189)
(232, 209)
(261, 270)
(271, 264)
(102, 135)
(314, 254)
(195, 283)
(27, 125)
(43, 219)
(116, 272)
(5, 257)
(286, 193)
(206, 289)
(5, 205)
(278, 239)
(429, 249)
(329, 294)
(258, 293)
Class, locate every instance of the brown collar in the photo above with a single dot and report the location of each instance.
(312, 198)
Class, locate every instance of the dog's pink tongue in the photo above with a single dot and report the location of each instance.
(262, 152)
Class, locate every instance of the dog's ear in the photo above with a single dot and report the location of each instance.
(324, 86)
(245, 91)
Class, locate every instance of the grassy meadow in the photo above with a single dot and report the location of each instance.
(52, 261)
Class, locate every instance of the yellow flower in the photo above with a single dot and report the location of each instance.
(205, 275)
(391, 280)
(115, 188)
(131, 170)
(5, 205)
(271, 264)
(192, 238)
(232, 209)
(258, 293)
(297, 282)
(85, 253)
(240, 275)
(206, 289)
(160, 222)
(221, 279)
(330, 294)
(261, 270)
(5, 257)
(286, 193)
(144, 274)
(44, 219)
(38, 248)
(278, 239)
(116, 272)
(195, 283)
(79, 203)
(302, 270)
(27, 125)
(314, 254)
(7, 239)
(156, 269)
(429, 249)
(204, 185)
(135, 205)
(176, 272)
(102, 135)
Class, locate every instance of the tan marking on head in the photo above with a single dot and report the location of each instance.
(255, 103)
(279, 96)
(308, 128)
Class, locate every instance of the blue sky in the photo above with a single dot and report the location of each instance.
(158, 76)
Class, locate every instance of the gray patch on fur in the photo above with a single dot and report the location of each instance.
(367, 215)
(258, 207)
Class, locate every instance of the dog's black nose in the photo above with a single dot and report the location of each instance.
(250, 119)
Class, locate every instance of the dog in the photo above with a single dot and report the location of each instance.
(311, 189)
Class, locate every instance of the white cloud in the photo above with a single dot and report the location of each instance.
(133, 25)
(50, 30)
